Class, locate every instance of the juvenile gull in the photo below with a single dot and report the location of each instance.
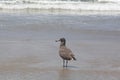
(65, 53)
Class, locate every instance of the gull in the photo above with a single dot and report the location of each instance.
(64, 52)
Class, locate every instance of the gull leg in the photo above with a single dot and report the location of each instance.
(63, 63)
(66, 62)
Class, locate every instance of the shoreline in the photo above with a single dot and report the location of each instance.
(58, 12)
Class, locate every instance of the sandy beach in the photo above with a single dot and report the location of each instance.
(28, 50)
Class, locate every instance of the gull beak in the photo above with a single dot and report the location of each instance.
(57, 40)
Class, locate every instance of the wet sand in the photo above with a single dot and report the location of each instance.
(28, 50)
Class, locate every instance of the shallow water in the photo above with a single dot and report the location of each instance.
(28, 50)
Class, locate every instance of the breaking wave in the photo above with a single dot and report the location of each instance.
(78, 5)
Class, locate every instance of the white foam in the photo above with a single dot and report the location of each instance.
(116, 1)
(60, 5)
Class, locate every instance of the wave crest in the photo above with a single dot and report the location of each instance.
(79, 5)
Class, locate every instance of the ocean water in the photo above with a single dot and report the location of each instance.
(72, 5)
(28, 50)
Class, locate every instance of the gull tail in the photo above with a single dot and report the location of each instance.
(74, 58)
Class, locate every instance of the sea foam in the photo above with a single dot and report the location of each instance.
(78, 5)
